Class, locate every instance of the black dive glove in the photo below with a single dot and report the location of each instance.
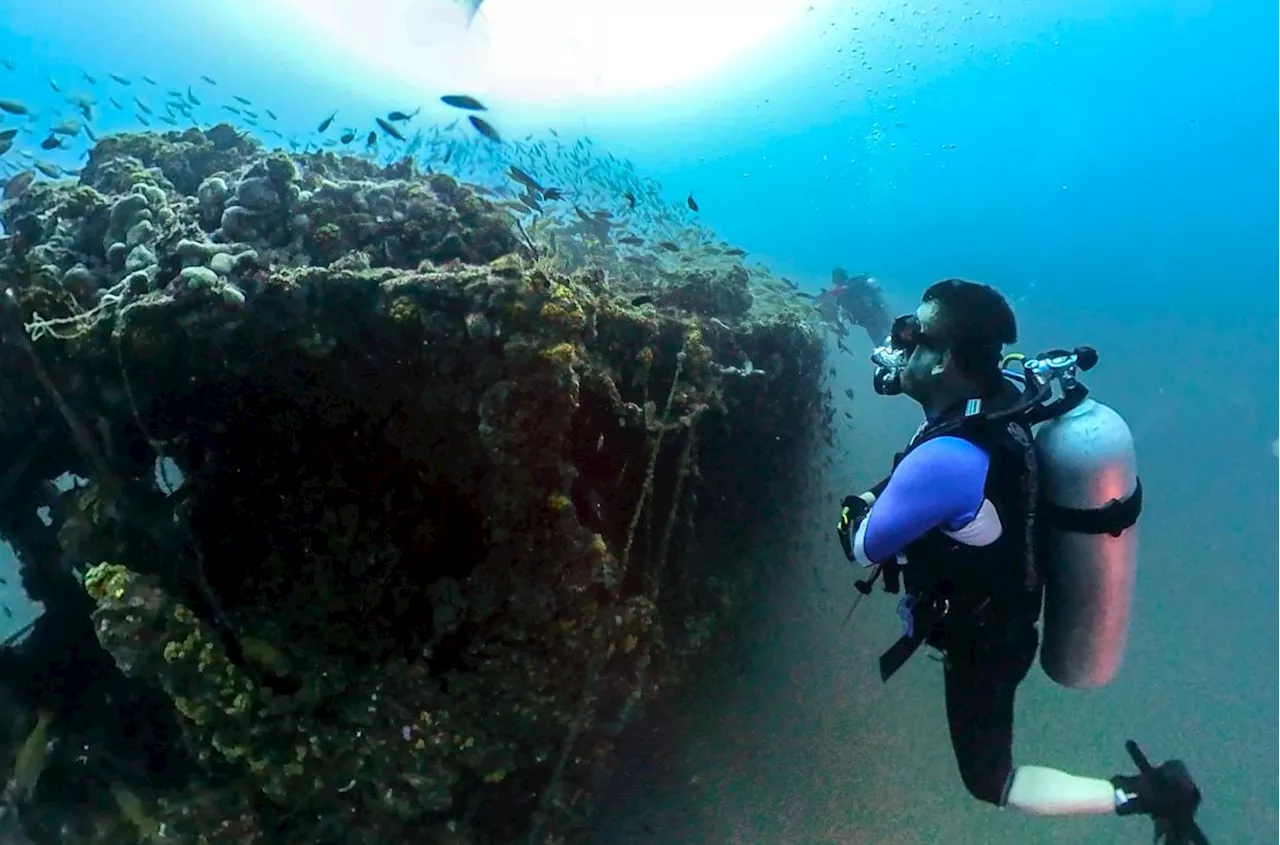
(1166, 793)
(853, 509)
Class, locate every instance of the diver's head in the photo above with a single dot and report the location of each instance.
(950, 349)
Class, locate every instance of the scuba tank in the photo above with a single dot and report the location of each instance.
(1091, 501)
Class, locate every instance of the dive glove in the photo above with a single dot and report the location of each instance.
(1166, 793)
(853, 509)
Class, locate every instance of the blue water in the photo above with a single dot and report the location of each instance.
(1112, 168)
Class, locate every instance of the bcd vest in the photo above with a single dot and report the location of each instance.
(960, 593)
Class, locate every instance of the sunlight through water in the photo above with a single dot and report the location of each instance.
(552, 50)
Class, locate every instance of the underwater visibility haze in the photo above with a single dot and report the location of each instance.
(427, 421)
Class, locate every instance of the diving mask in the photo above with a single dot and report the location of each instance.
(891, 357)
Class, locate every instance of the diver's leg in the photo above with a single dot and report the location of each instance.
(1048, 792)
(979, 696)
(980, 690)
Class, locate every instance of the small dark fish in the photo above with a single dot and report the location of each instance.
(582, 215)
(235, 110)
(635, 259)
(530, 202)
(53, 142)
(630, 198)
(485, 129)
(13, 107)
(168, 120)
(7, 134)
(448, 154)
(18, 184)
(603, 215)
(402, 116)
(326, 123)
(735, 251)
(693, 204)
(848, 392)
(669, 246)
(209, 79)
(525, 179)
(195, 101)
(450, 125)
(631, 240)
(91, 80)
(386, 127)
(113, 101)
(348, 136)
(462, 101)
(119, 79)
(141, 119)
(372, 141)
(788, 282)
(243, 100)
(50, 170)
(55, 87)
(142, 107)
(271, 114)
(643, 299)
(148, 80)
(552, 194)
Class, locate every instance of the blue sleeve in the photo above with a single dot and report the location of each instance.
(940, 483)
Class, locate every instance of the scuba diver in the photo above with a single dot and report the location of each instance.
(857, 299)
(981, 522)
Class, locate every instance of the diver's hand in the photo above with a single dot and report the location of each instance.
(853, 509)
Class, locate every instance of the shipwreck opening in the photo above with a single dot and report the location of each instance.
(334, 502)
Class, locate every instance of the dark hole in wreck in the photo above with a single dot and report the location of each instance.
(308, 511)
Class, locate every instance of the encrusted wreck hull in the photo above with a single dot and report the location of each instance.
(450, 512)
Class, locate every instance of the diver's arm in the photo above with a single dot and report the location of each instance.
(940, 483)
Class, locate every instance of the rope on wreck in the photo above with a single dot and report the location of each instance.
(597, 660)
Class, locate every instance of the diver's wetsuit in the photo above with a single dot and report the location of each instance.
(945, 503)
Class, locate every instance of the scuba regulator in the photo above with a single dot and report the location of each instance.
(891, 356)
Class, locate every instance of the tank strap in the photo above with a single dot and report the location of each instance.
(1112, 518)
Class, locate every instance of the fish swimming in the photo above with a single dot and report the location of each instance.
(463, 101)
(326, 123)
(386, 127)
(485, 129)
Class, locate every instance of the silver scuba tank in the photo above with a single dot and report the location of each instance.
(1089, 470)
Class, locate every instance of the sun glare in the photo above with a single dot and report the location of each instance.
(543, 51)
